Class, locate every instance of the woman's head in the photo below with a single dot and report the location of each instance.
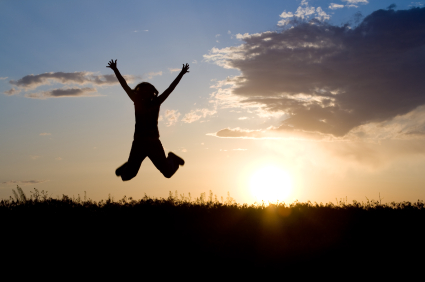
(146, 90)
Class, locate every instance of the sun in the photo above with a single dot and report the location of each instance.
(270, 184)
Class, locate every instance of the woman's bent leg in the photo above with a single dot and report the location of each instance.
(137, 154)
(167, 166)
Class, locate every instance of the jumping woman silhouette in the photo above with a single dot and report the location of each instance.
(146, 135)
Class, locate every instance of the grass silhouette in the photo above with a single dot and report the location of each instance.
(205, 231)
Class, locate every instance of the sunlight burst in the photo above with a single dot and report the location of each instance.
(270, 184)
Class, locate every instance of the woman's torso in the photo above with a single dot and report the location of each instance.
(147, 113)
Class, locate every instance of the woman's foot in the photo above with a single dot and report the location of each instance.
(178, 160)
(118, 171)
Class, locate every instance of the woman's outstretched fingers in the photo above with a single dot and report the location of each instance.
(185, 68)
(112, 64)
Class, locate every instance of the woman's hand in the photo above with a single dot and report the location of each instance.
(112, 65)
(185, 68)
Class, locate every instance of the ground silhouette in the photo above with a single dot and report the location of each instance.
(176, 232)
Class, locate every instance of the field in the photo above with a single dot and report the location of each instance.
(204, 232)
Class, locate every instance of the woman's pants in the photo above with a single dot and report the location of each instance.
(142, 148)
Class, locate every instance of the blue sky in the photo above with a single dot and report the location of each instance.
(73, 144)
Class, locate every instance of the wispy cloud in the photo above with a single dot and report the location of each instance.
(197, 114)
(334, 6)
(238, 133)
(150, 75)
(352, 3)
(171, 116)
(45, 134)
(12, 91)
(3, 78)
(416, 4)
(356, 1)
(304, 12)
(268, 133)
(174, 70)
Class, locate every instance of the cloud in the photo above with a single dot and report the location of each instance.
(238, 133)
(321, 15)
(34, 157)
(31, 82)
(352, 3)
(172, 117)
(334, 6)
(63, 92)
(330, 79)
(3, 78)
(12, 91)
(304, 12)
(44, 134)
(285, 18)
(174, 70)
(197, 114)
(286, 14)
(246, 35)
(23, 182)
(402, 127)
(356, 1)
(281, 132)
(150, 75)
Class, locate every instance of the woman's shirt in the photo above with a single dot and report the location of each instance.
(147, 113)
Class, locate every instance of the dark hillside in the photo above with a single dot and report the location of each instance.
(208, 234)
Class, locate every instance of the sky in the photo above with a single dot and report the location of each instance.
(315, 101)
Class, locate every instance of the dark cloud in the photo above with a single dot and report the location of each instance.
(33, 81)
(331, 79)
(62, 92)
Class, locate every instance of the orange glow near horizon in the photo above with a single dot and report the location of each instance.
(270, 184)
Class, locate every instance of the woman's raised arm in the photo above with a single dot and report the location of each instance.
(113, 66)
(173, 85)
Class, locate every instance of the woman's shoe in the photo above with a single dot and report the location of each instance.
(178, 160)
(118, 171)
